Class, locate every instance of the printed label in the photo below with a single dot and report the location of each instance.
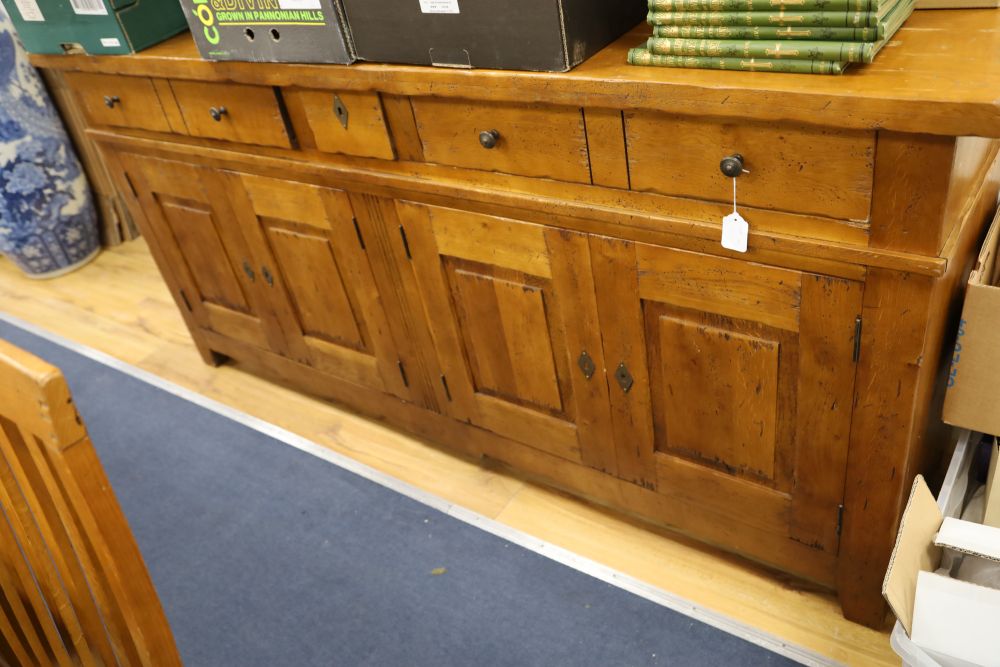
(29, 10)
(439, 6)
(110, 42)
(299, 4)
(89, 7)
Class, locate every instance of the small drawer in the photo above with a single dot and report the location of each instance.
(119, 101)
(232, 112)
(352, 123)
(791, 168)
(523, 139)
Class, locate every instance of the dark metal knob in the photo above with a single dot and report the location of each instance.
(217, 113)
(732, 165)
(489, 139)
(111, 100)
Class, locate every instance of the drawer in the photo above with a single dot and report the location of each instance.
(796, 169)
(119, 101)
(531, 140)
(352, 123)
(232, 112)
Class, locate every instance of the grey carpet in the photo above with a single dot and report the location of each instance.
(265, 555)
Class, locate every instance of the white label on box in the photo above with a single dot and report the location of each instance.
(89, 7)
(29, 10)
(110, 42)
(299, 4)
(439, 6)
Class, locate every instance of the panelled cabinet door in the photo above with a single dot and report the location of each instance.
(312, 257)
(196, 234)
(511, 308)
(743, 377)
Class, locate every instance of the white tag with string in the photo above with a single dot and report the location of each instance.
(735, 230)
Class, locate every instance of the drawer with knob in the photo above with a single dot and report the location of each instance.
(346, 122)
(119, 101)
(523, 139)
(816, 171)
(232, 112)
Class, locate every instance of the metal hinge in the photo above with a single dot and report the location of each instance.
(406, 242)
(857, 339)
(402, 373)
(187, 304)
(840, 519)
(357, 230)
(131, 186)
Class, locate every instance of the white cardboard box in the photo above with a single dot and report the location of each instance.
(956, 622)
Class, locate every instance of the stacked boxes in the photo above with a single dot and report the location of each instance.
(805, 36)
(97, 27)
(302, 31)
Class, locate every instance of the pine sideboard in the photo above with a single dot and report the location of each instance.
(527, 266)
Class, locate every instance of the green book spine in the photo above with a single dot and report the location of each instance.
(816, 19)
(765, 5)
(640, 56)
(769, 32)
(849, 52)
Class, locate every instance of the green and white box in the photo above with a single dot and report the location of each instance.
(97, 27)
(295, 31)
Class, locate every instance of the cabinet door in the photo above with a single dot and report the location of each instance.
(312, 256)
(742, 378)
(197, 238)
(511, 309)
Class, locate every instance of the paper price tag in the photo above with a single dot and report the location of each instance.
(735, 231)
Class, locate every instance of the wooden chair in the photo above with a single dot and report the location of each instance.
(73, 586)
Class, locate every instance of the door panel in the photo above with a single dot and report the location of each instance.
(306, 241)
(745, 373)
(187, 211)
(510, 311)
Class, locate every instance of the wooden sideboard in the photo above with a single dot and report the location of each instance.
(527, 267)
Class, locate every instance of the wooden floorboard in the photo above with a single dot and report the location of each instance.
(120, 306)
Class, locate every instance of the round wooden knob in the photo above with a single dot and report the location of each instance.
(489, 139)
(111, 100)
(732, 165)
(217, 113)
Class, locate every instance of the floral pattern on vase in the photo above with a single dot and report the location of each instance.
(48, 225)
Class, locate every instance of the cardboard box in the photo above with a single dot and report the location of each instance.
(953, 621)
(97, 27)
(271, 31)
(973, 397)
(992, 513)
(538, 35)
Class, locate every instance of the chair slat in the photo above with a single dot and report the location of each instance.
(75, 590)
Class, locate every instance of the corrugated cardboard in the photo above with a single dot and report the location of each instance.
(97, 27)
(538, 35)
(973, 397)
(992, 515)
(915, 552)
(954, 621)
(273, 31)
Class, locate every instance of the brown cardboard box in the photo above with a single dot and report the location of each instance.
(992, 515)
(973, 398)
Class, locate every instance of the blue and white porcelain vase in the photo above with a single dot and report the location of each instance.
(48, 226)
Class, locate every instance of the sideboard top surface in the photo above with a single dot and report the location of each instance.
(939, 75)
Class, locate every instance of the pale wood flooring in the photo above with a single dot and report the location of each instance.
(119, 305)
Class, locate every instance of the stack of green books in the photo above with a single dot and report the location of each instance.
(805, 36)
